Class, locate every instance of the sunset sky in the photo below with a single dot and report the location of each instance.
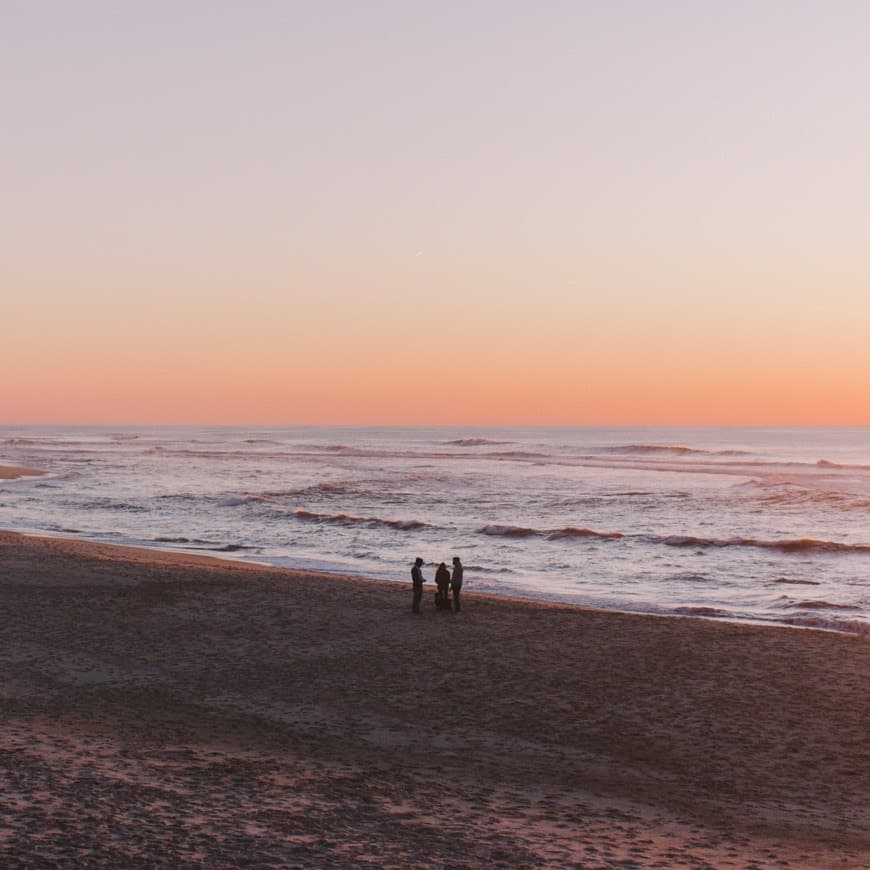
(456, 212)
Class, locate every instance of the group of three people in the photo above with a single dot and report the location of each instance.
(443, 581)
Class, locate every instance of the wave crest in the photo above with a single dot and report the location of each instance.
(351, 520)
(567, 533)
(508, 531)
(796, 545)
(671, 449)
(247, 498)
(824, 605)
(572, 532)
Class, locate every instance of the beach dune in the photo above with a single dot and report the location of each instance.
(170, 708)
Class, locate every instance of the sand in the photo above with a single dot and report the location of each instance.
(183, 710)
(12, 472)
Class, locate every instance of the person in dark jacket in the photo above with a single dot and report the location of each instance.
(442, 578)
(456, 582)
(417, 581)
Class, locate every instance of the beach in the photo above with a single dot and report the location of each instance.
(177, 709)
(736, 524)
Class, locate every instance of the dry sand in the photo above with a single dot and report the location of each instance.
(182, 710)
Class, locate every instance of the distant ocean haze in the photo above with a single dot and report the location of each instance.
(767, 525)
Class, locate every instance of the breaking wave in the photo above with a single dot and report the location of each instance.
(199, 544)
(795, 545)
(781, 493)
(509, 531)
(550, 534)
(644, 449)
(571, 532)
(824, 605)
(669, 450)
(236, 500)
(350, 520)
(826, 463)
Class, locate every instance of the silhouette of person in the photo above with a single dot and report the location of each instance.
(442, 578)
(456, 582)
(417, 581)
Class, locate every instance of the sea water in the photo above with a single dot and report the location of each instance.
(762, 524)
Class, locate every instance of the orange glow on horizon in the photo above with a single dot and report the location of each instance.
(480, 391)
(302, 218)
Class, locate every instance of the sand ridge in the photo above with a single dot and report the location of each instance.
(188, 709)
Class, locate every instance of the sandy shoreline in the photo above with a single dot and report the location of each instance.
(186, 709)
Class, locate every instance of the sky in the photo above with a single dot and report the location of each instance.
(460, 213)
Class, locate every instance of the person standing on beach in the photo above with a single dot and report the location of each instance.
(417, 580)
(456, 582)
(442, 578)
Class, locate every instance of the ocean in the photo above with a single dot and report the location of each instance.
(765, 525)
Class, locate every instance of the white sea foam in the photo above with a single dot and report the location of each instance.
(236, 500)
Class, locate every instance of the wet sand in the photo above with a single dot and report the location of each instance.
(184, 710)
(13, 472)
